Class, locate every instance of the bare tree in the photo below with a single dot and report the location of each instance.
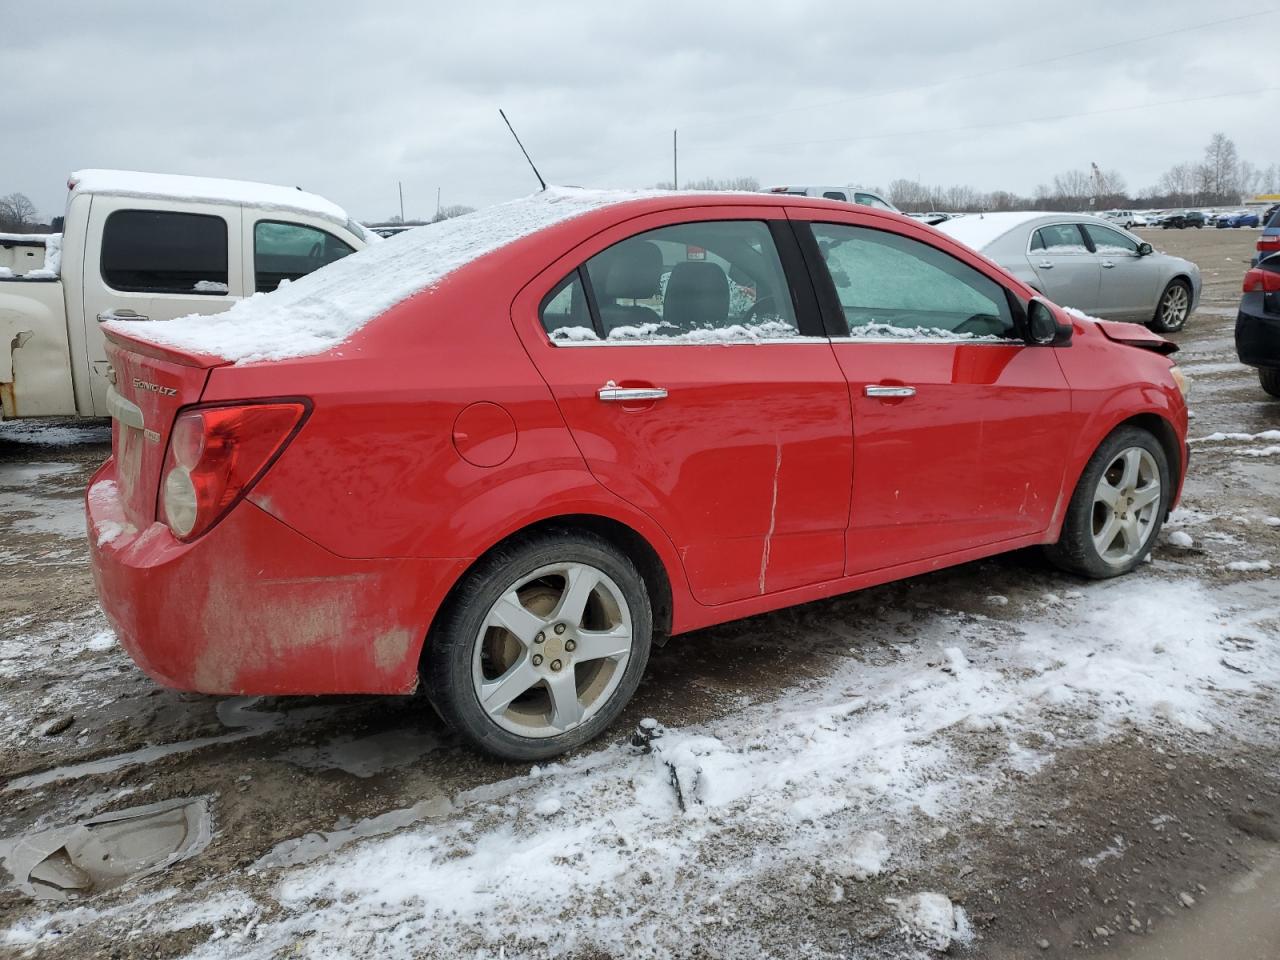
(17, 213)
(1179, 182)
(1220, 172)
(448, 213)
(713, 184)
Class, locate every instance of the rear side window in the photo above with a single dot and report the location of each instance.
(835, 195)
(158, 251)
(287, 251)
(893, 286)
(705, 281)
(1060, 238)
(564, 312)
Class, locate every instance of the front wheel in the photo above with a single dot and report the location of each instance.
(1269, 377)
(542, 646)
(1118, 507)
(1172, 308)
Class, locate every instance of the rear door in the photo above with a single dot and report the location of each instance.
(698, 384)
(1129, 283)
(1066, 269)
(958, 423)
(146, 260)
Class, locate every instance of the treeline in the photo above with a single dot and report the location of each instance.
(1220, 179)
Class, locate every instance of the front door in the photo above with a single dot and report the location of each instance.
(144, 260)
(1128, 289)
(699, 387)
(957, 421)
(1067, 271)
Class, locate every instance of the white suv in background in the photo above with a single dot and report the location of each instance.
(1126, 218)
(844, 194)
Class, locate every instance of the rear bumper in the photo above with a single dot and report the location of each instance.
(254, 607)
(1257, 333)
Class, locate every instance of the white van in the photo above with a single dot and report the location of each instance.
(139, 246)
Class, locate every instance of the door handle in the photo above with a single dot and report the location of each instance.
(871, 390)
(1107, 264)
(612, 393)
(114, 314)
(1045, 264)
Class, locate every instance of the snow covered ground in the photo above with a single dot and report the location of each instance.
(975, 761)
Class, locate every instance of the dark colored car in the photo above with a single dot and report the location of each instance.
(1241, 218)
(1269, 241)
(1180, 221)
(1258, 323)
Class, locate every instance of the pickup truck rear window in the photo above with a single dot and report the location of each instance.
(156, 251)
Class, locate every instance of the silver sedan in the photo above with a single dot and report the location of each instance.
(1086, 263)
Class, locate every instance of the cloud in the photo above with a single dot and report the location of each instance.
(347, 99)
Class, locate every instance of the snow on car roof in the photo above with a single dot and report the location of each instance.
(319, 311)
(169, 186)
(977, 230)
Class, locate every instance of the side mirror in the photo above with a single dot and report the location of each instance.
(1145, 249)
(1043, 329)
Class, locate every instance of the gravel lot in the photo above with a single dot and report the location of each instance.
(819, 769)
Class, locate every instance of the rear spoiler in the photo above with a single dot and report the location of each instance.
(1136, 335)
(148, 348)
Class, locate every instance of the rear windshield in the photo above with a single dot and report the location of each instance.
(1275, 220)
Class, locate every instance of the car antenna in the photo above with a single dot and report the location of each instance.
(522, 149)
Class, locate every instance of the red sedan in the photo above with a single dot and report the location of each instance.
(501, 456)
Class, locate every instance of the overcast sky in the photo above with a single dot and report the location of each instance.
(344, 99)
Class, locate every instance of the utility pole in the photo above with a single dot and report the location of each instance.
(675, 159)
(437, 203)
(400, 184)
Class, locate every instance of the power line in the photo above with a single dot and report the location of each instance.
(1013, 123)
(985, 73)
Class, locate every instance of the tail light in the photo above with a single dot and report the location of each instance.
(1269, 242)
(216, 454)
(1258, 280)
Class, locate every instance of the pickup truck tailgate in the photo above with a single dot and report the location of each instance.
(148, 390)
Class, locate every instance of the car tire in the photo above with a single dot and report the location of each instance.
(1096, 541)
(471, 652)
(1269, 377)
(1173, 307)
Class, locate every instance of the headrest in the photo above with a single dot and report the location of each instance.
(633, 271)
(697, 296)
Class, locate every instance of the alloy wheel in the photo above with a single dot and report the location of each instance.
(1125, 506)
(1173, 308)
(552, 650)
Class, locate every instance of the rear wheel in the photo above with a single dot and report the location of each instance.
(1173, 307)
(1118, 507)
(1269, 377)
(542, 646)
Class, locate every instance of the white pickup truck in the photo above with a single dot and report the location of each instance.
(139, 246)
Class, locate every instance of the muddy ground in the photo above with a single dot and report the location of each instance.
(1154, 840)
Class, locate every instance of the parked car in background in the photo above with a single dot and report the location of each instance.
(1183, 219)
(1269, 241)
(1086, 263)
(141, 246)
(497, 457)
(1126, 218)
(1239, 218)
(1139, 220)
(863, 198)
(1258, 322)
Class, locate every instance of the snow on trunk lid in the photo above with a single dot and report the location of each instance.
(144, 401)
